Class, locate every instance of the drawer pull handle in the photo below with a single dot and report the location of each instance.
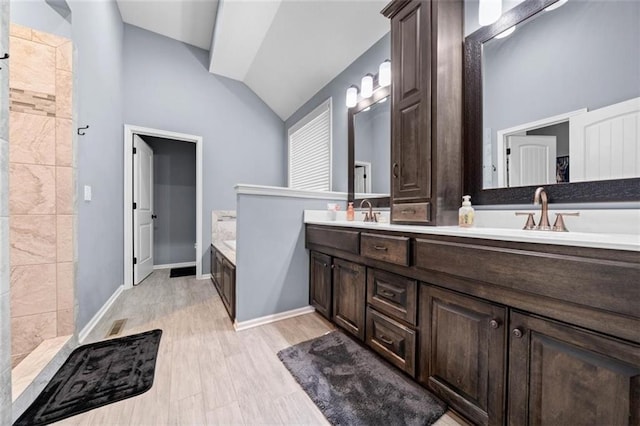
(494, 324)
(381, 248)
(410, 211)
(517, 332)
(395, 170)
(387, 293)
(384, 339)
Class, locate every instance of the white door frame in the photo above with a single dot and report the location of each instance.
(501, 139)
(129, 131)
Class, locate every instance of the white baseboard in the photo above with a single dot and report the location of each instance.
(174, 265)
(98, 316)
(256, 322)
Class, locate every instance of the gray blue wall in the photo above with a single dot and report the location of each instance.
(97, 34)
(168, 87)
(272, 265)
(174, 200)
(368, 62)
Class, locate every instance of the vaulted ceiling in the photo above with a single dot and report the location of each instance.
(284, 50)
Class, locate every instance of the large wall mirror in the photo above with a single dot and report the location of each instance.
(552, 97)
(369, 137)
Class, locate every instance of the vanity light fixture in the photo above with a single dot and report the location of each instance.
(489, 11)
(367, 86)
(507, 32)
(383, 100)
(384, 74)
(366, 109)
(556, 5)
(352, 96)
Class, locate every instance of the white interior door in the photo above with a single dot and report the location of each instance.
(605, 143)
(532, 160)
(143, 201)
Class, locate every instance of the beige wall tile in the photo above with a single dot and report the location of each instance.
(64, 85)
(32, 239)
(32, 138)
(64, 190)
(33, 289)
(64, 57)
(65, 286)
(28, 332)
(64, 142)
(32, 189)
(33, 66)
(65, 238)
(65, 322)
(48, 39)
(16, 30)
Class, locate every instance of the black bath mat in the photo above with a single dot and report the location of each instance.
(182, 272)
(352, 386)
(95, 375)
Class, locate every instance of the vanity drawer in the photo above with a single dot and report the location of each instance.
(394, 341)
(386, 248)
(392, 294)
(411, 212)
(335, 238)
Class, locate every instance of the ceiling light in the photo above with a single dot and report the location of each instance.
(555, 5)
(507, 32)
(489, 11)
(384, 74)
(352, 96)
(367, 86)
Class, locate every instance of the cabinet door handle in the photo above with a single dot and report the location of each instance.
(387, 293)
(381, 248)
(494, 324)
(395, 170)
(517, 332)
(325, 265)
(384, 339)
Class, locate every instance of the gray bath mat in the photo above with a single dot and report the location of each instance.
(352, 386)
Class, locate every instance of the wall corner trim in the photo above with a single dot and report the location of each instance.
(98, 316)
(267, 319)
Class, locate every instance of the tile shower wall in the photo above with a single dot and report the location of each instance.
(41, 189)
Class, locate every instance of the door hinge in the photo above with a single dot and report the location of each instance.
(135, 206)
(135, 150)
(135, 260)
(508, 151)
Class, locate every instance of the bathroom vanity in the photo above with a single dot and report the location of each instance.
(223, 275)
(505, 329)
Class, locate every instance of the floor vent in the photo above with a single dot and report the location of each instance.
(116, 328)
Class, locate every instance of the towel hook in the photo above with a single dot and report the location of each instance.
(82, 128)
(5, 56)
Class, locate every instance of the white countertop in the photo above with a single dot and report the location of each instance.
(629, 242)
(224, 248)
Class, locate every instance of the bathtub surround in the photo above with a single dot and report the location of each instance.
(41, 192)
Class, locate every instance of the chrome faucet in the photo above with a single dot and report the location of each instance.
(370, 216)
(540, 197)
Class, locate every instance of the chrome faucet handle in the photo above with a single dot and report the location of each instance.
(531, 223)
(559, 225)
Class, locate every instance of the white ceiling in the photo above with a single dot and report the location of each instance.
(284, 50)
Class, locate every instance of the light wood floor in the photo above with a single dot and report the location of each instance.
(206, 373)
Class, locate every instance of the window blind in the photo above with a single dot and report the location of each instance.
(310, 150)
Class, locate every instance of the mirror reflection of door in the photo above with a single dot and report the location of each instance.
(362, 177)
(531, 160)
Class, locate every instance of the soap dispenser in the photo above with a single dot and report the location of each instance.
(466, 213)
(350, 212)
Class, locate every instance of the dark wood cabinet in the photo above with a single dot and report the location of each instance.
(394, 341)
(462, 346)
(426, 110)
(349, 296)
(559, 375)
(223, 275)
(320, 283)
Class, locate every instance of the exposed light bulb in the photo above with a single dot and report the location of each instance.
(555, 5)
(352, 96)
(489, 11)
(507, 32)
(384, 74)
(366, 109)
(367, 86)
(383, 100)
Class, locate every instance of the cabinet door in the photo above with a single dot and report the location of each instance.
(462, 353)
(320, 281)
(217, 279)
(349, 296)
(213, 264)
(559, 375)
(411, 108)
(229, 287)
